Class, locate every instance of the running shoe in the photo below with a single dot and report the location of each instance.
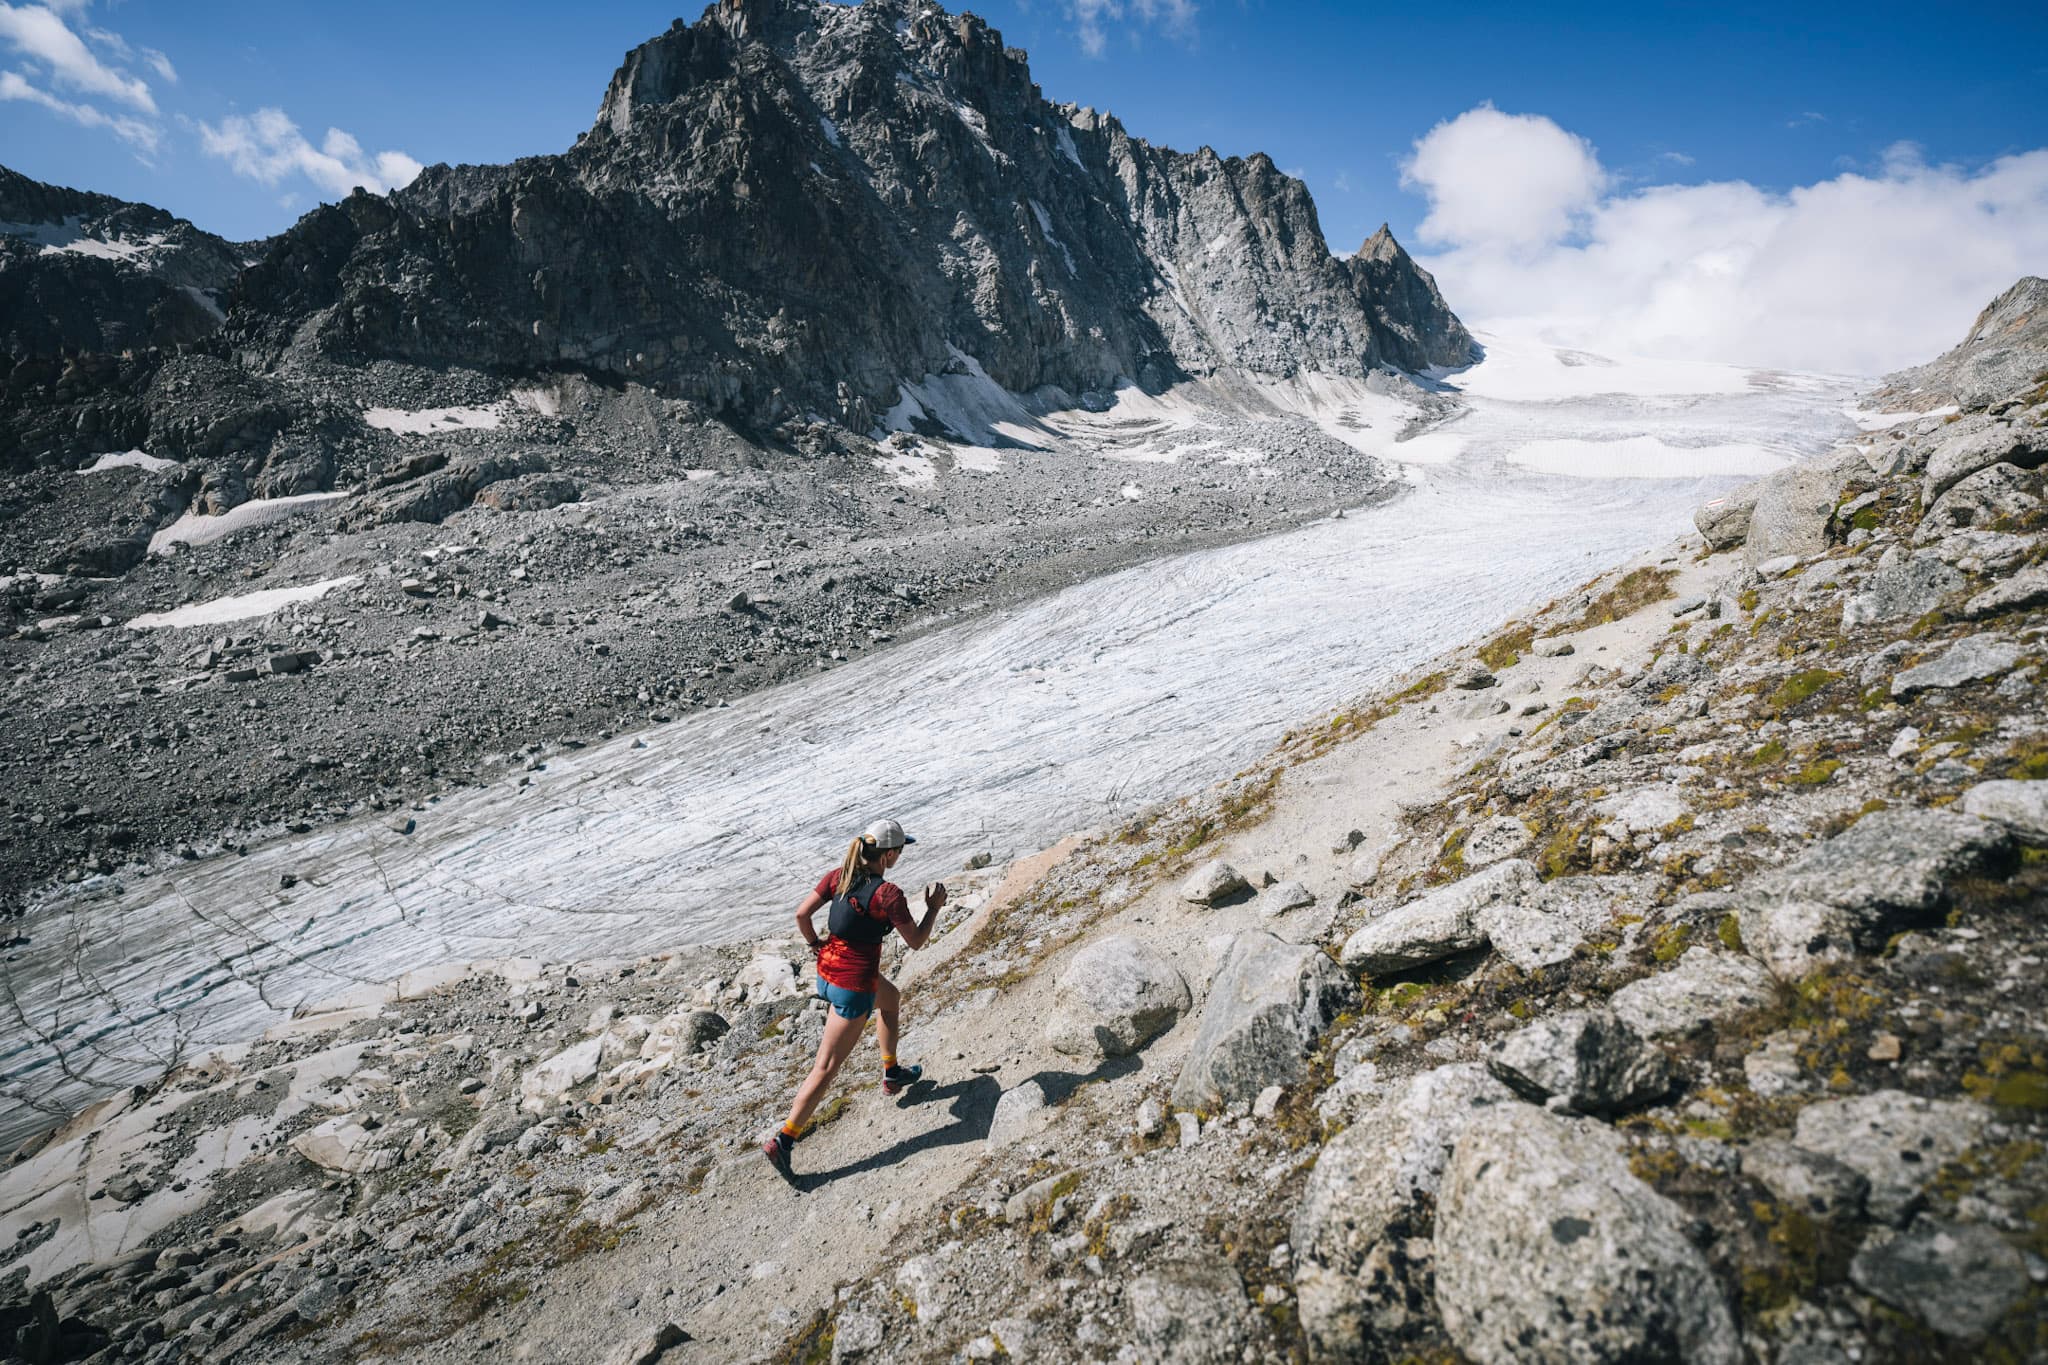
(776, 1148)
(900, 1078)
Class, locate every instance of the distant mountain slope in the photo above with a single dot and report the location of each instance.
(787, 207)
(84, 274)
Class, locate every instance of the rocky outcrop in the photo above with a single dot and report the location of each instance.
(1549, 1249)
(1114, 997)
(1586, 1061)
(1269, 1003)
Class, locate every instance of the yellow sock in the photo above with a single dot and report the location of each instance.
(791, 1131)
(888, 1061)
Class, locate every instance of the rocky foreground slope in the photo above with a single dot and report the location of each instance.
(1661, 980)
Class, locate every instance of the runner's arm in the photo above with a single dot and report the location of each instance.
(917, 933)
(806, 909)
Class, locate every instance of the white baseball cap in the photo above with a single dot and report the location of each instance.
(887, 834)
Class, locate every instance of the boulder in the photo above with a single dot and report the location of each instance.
(1704, 986)
(1189, 1311)
(682, 1033)
(1213, 881)
(498, 1127)
(1438, 925)
(1898, 1142)
(1887, 872)
(1364, 1272)
(1724, 521)
(1958, 1278)
(1269, 1003)
(1983, 499)
(1967, 452)
(1021, 1111)
(1473, 676)
(1814, 1183)
(1793, 938)
(1546, 924)
(1557, 646)
(1589, 1060)
(352, 1145)
(1970, 659)
(2019, 807)
(1492, 840)
(559, 1074)
(2027, 588)
(767, 977)
(1116, 995)
(1549, 1248)
(1904, 588)
(1794, 506)
(1285, 896)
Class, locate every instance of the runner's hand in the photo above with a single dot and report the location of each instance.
(935, 896)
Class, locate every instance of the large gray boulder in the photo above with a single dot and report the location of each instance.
(1704, 986)
(1213, 881)
(1269, 1003)
(1438, 925)
(2020, 807)
(1970, 659)
(1189, 1311)
(1724, 521)
(1974, 449)
(1589, 1060)
(1984, 499)
(1546, 924)
(1904, 588)
(1898, 1142)
(1116, 995)
(1814, 1183)
(1549, 1249)
(2027, 588)
(1958, 1278)
(1887, 872)
(1794, 505)
(1363, 1262)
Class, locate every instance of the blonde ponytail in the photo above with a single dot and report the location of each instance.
(857, 856)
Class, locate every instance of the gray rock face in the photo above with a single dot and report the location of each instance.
(1189, 1312)
(1903, 589)
(1812, 1182)
(2027, 588)
(1213, 881)
(1974, 448)
(1958, 1278)
(1435, 926)
(1589, 1059)
(1885, 873)
(2021, 807)
(1896, 1141)
(1020, 1111)
(1270, 1001)
(1116, 995)
(1970, 659)
(1982, 499)
(2007, 348)
(1492, 840)
(1548, 1248)
(1725, 520)
(1546, 924)
(1793, 507)
(1361, 1235)
(1704, 986)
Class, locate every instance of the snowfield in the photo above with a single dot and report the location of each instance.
(1000, 734)
(432, 421)
(241, 607)
(196, 529)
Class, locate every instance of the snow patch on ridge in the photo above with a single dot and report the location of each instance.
(240, 607)
(1871, 420)
(129, 459)
(431, 421)
(195, 529)
(1045, 226)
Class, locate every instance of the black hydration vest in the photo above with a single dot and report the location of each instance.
(850, 921)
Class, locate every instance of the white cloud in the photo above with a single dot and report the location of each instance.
(1858, 274)
(1091, 18)
(40, 34)
(267, 146)
(138, 133)
(1508, 180)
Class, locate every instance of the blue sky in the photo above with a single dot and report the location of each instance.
(1776, 97)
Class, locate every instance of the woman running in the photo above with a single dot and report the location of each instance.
(864, 909)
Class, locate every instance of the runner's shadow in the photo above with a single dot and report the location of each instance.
(973, 1105)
